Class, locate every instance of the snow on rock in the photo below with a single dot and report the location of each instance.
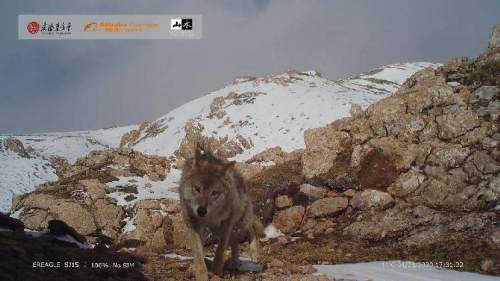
(129, 225)
(144, 188)
(397, 271)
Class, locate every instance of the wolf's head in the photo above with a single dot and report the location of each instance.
(206, 182)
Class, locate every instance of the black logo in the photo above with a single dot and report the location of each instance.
(176, 24)
(187, 24)
(56, 27)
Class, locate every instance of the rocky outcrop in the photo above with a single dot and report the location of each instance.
(108, 164)
(15, 146)
(416, 170)
(219, 103)
(81, 205)
(129, 139)
(495, 38)
(81, 198)
(221, 146)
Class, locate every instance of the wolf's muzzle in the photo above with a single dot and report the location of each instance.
(201, 211)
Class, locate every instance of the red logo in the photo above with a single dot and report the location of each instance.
(33, 27)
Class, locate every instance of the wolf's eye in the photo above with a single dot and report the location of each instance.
(197, 188)
(215, 194)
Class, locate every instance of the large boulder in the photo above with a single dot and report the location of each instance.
(323, 147)
(75, 215)
(289, 219)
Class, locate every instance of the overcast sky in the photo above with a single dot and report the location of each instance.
(63, 85)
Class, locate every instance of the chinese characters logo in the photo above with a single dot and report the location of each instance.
(56, 28)
(181, 24)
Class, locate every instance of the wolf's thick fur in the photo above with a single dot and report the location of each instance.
(213, 197)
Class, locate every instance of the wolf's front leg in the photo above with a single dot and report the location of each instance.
(235, 252)
(218, 266)
(200, 268)
(254, 249)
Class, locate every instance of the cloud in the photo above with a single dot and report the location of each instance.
(73, 85)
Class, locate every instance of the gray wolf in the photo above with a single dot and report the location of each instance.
(213, 198)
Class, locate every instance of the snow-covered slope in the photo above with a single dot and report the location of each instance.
(275, 110)
(265, 111)
(73, 145)
(21, 175)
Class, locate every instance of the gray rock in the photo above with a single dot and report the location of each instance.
(426, 237)
(494, 110)
(432, 193)
(327, 206)
(474, 221)
(449, 155)
(406, 183)
(485, 163)
(452, 125)
(391, 223)
(371, 198)
(313, 192)
(486, 93)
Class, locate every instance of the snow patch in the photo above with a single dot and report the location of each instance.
(271, 232)
(129, 225)
(397, 271)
